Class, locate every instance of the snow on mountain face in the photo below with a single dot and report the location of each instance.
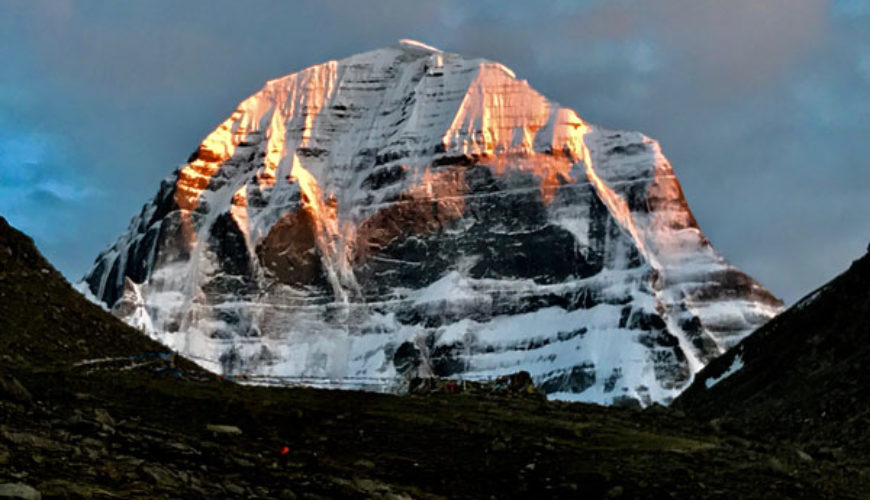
(411, 212)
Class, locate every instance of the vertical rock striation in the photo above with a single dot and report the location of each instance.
(411, 212)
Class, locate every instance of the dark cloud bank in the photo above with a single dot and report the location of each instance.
(762, 107)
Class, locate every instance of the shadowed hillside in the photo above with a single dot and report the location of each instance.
(805, 376)
(46, 324)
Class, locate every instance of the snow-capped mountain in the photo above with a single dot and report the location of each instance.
(408, 212)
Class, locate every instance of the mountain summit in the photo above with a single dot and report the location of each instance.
(410, 212)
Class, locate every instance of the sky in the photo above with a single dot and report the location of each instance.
(763, 108)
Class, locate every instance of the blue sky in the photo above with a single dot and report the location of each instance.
(762, 107)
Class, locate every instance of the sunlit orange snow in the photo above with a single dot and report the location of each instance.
(501, 123)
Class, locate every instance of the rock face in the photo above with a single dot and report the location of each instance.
(408, 212)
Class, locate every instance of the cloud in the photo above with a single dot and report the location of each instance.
(726, 46)
(35, 186)
(850, 8)
(762, 107)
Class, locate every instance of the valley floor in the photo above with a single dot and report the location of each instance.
(137, 433)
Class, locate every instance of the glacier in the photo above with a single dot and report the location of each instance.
(409, 212)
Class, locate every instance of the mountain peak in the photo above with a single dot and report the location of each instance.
(385, 216)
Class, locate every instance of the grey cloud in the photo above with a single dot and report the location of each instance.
(762, 107)
(727, 46)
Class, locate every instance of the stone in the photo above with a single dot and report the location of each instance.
(229, 430)
(66, 489)
(364, 464)
(366, 485)
(162, 476)
(102, 416)
(777, 465)
(615, 492)
(35, 441)
(19, 491)
(11, 388)
(234, 489)
(242, 462)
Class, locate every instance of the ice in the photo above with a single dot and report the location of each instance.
(736, 364)
(452, 287)
(83, 288)
(407, 42)
(313, 141)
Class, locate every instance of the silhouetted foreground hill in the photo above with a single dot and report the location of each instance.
(805, 376)
(44, 323)
(90, 408)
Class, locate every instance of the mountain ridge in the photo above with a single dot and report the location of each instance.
(803, 376)
(407, 200)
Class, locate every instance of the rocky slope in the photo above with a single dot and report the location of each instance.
(804, 376)
(409, 212)
(45, 323)
(86, 413)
